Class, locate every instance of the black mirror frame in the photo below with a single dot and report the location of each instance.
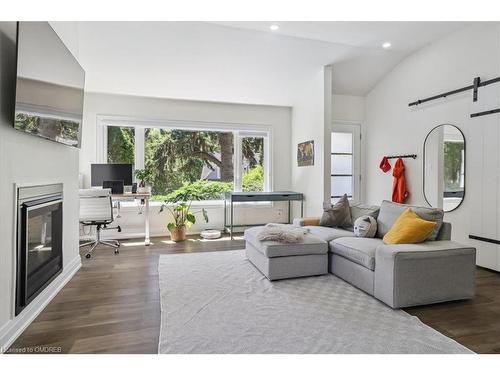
(465, 164)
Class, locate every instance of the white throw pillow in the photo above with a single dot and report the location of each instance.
(365, 226)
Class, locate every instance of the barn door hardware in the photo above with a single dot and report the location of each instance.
(476, 84)
(490, 112)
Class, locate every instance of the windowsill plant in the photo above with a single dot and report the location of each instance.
(144, 176)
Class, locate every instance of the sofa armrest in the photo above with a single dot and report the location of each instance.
(303, 221)
(419, 274)
(445, 232)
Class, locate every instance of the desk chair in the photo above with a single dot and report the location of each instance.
(96, 209)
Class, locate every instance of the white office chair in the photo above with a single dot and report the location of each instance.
(96, 209)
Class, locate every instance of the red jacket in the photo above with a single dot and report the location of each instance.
(399, 190)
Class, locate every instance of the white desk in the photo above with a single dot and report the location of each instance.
(146, 197)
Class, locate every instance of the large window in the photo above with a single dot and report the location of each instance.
(208, 162)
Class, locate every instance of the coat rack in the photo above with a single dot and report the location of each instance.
(476, 84)
(413, 156)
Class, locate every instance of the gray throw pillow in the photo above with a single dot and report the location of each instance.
(360, 209)
(390, 211)
(337, 215)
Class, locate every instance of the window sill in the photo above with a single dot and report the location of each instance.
(216, 204)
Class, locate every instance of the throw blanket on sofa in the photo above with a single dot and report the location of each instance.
(281, 233)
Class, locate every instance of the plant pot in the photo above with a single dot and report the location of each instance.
(144, 189)
(178, 234)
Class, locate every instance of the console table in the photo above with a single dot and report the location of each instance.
(276, 196)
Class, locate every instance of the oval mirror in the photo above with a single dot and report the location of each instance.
(444, 167)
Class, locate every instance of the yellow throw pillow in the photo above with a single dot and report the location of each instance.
(409, 228)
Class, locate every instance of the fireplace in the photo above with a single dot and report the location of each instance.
(39, 240)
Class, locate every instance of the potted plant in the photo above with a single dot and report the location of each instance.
(183, 217)
(144, 176)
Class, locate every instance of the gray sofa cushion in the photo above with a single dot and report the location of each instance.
(271, 249)
(357, 249)
(327, 234)
(337, 215)
(390, 211)
(360, 209)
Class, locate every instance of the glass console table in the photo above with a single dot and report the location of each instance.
(276, 196)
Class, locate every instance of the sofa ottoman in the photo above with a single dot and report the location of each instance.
(277, 260)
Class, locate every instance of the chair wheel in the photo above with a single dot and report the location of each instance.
(116, 251)
(87, 256)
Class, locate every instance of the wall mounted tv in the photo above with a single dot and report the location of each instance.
(50, 85)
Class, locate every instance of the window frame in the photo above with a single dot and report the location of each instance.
(239, 130)
(355, 130)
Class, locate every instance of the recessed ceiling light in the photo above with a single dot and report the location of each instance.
(274, 27)
(386, 45)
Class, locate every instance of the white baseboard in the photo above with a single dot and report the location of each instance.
(126, 235)
(11, 330)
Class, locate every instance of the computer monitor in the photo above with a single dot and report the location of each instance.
(111, 172)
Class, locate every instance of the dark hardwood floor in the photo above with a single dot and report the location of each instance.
(474, 323)
(112, 305)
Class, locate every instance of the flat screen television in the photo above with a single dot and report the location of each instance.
(50, 85)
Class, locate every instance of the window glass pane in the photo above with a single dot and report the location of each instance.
(341, 185)
(121, 145)
(341, 142)
(195, 162)
(252, 167)
(341, 164)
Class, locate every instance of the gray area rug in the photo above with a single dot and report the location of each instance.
(218, 302)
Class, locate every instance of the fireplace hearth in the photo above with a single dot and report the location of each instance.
(39, 240)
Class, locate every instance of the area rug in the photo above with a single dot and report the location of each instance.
(218, 302)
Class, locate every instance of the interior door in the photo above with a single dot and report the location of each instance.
(345, 177)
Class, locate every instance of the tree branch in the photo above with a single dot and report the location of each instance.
(208, 157)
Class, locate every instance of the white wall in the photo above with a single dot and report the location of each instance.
(143, 108)
(314, 113)
(392, 127)
(349, 108)
(308, 123)
(25, 159)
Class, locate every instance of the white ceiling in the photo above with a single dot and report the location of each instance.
(368, 63)
(239, 61)
(404, 36)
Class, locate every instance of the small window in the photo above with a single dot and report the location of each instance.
(121, 145)
(341, 165)
(252, 149)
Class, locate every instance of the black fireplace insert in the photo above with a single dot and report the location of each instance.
(39, 240)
